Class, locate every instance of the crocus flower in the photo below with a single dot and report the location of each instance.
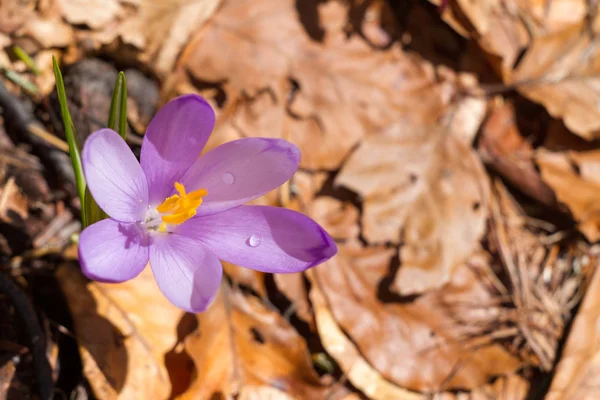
(183, 213)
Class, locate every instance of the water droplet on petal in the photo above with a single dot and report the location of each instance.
(228, 178)
(254, 241)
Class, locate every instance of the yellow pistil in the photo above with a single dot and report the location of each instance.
(180, 207)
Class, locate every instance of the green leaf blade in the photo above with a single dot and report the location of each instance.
(74, 146)
(118, 107)
(91, 212)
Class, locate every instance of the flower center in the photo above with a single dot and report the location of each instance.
(180, 207)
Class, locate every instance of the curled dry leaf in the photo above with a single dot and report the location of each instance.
(426, 188)
(241, 347)
(278, 81)
(575, 178)
(440, 330)
(503, 148)
(124, 332)
(546, 50)
(578, 372)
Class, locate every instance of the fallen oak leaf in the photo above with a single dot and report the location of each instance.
(546, 50)
(438, 329)
(249, 346)
(560, 72)
(124, 332)
(424, 187)
(574, 178)
(504, 29)
(359, 372)
(340, 220)
(93, 13)
(174, 21)
(503, 148)
(279, 82)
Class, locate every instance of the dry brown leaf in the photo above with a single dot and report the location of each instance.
(510, 387)
(12, 202)
(560, 72)
(503, 28)
(14, 13)
(425, 187)
(246, 277)
(359, 372)
(304, 186)
(437, 330)
(294, 288)
(125, 332)
(93, 13)
(577, 374)
(147, 32)
(262, 393)
(7, 372)
(239, 345)
(278, 82)
(575, 178)
(49, 32)
(339, 219)
(503, 148)
(172, 22)
(545, 49)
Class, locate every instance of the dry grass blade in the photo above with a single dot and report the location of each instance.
(543, 287)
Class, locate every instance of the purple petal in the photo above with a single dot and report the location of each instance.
(114, 176)
(242, 170)
(188, 274)
(263, 238)
(113, 251)
(174, 140)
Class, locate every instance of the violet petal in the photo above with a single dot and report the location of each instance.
(242, 170)
(188, 274)
(113, 251)
(114, 176)
(263, 238)
(174, 140)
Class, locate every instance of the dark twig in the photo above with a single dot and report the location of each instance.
(19, 119)
(35, 334)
